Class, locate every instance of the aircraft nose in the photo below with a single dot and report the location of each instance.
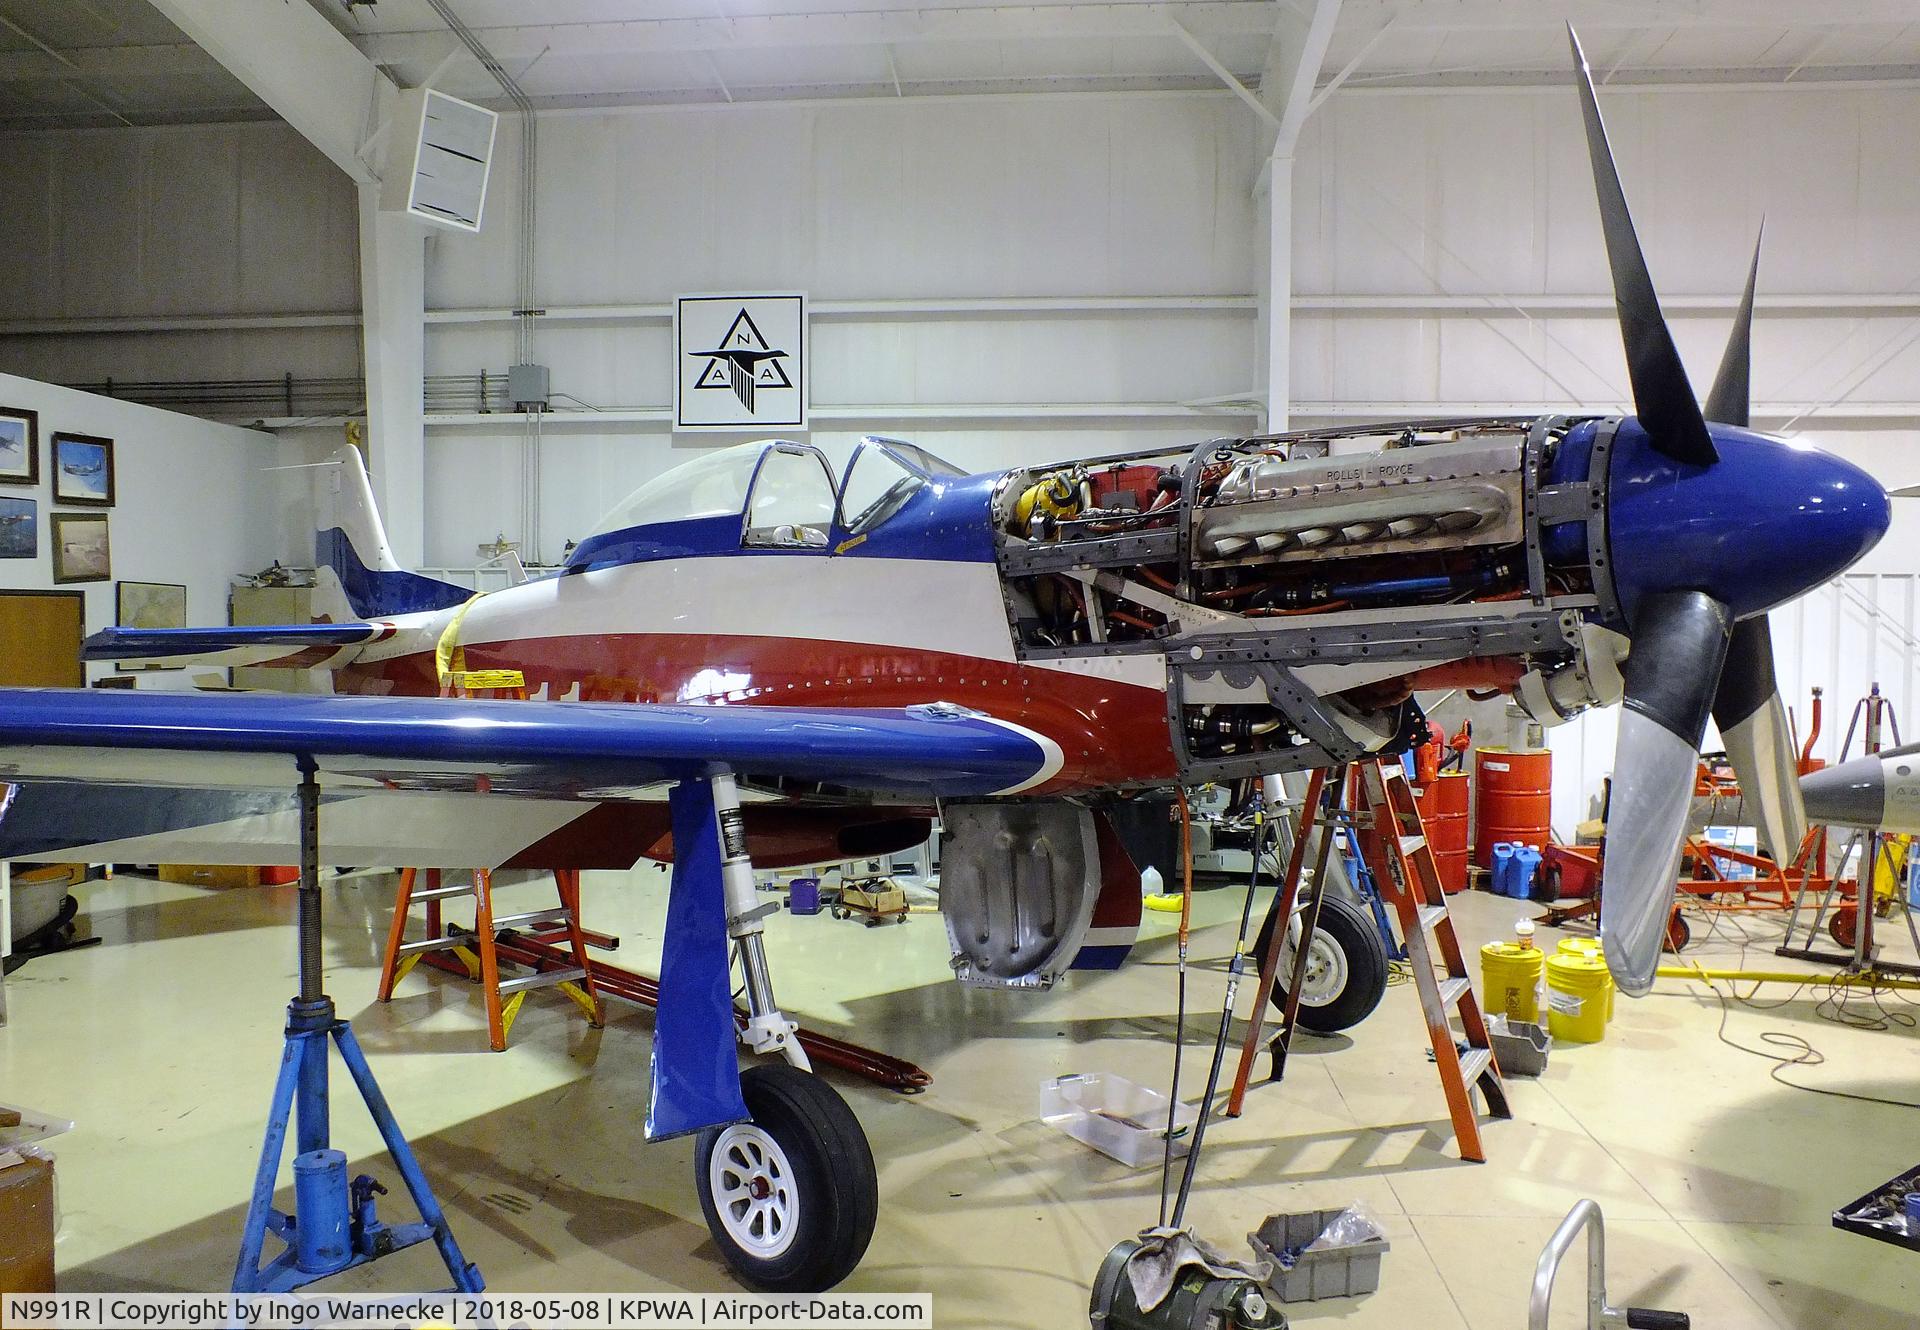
(1879, 790)
(1853, 794)
(1822, 513)
(1771, 520)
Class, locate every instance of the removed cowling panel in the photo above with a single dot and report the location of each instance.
(1017, 886)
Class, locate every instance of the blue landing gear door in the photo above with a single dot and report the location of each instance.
(696, 1067)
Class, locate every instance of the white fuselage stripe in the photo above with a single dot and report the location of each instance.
(926, 605)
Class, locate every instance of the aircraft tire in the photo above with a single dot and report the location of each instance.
(790, 1196)
(1350, 955)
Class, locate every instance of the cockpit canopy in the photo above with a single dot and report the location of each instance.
(768, 495)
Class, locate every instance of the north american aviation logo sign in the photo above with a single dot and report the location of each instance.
(741, 361)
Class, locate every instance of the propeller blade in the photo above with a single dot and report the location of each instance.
(1753, 725)
(1679, 644)
(1662, 396)
(1905, 492)
(1730, 402)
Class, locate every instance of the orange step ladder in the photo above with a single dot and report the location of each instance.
(1392, 841)
(476, 948)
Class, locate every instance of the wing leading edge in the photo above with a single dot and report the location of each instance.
(538, 750)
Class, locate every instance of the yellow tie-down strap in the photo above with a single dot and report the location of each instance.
(450, 660)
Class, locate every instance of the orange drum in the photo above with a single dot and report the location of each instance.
(1516, 800)
(1443, 811)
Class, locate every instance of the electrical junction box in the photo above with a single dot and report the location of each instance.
(528, 387)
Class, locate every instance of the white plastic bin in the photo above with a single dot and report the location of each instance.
(1121, 1120)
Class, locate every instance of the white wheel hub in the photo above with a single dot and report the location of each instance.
(1326, 976)
(754, 1191)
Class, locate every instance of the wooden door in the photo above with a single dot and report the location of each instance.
(40, 635)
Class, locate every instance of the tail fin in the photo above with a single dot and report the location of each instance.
(356, 575)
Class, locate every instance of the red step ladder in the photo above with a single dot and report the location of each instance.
(1392, 841)
(478, 948)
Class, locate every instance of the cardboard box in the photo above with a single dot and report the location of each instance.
(26, 1225)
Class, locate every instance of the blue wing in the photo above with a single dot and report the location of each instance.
(534, 749)
(161, 777)
(95, 756)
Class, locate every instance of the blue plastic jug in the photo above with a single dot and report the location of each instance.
(1526, 867)
(1502, 860)
(804, 898)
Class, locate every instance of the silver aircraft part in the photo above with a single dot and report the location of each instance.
(768, 1029)
(1465, 492)
(1878, 791)
(1652, 787)
(1554, 694)
(1761, 750)
(1018, 883)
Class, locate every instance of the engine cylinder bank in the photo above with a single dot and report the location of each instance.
(1454, 495)
(1401, 552)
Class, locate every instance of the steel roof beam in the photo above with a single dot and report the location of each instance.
(297, 63)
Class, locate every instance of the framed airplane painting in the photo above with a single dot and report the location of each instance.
(80, 548)
(19, 446)
(83, 470)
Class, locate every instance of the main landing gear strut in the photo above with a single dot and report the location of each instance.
(790, 1194)
(333, 1226)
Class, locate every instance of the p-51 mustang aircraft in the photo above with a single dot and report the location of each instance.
(818, 667)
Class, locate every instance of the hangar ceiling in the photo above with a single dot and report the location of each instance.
(67, 63)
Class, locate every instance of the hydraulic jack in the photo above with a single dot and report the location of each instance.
(333, 1226)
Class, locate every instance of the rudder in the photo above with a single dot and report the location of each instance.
(355, 573)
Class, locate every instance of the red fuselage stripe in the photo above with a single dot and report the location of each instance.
(1110, 733)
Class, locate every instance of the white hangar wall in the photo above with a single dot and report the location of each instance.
(1404, 199)
(1423, 220)
(194, 503)
(141, 230)
(901, 204)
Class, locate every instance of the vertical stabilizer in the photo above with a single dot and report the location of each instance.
(356, 575)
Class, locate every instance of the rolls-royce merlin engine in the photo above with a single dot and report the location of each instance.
(1273, 509)
(1302, 587)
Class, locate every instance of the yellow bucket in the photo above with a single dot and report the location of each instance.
(1510, 978)
(1589, 946)
(1578, 989)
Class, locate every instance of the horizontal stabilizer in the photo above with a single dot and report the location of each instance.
(291, 646)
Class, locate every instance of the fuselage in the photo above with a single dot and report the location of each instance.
(817, 628)
(1254, 605)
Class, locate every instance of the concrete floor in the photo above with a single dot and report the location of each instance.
(1717, 1181)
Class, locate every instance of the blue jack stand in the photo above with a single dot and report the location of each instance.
(334, 1226)
(1369, 890)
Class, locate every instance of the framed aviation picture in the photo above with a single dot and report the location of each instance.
(19, 446)
(19, 528)
(741, 362)
(80, 549)
(150, 605)
(83, 470)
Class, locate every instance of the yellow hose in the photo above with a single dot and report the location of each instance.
(1863, 979)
